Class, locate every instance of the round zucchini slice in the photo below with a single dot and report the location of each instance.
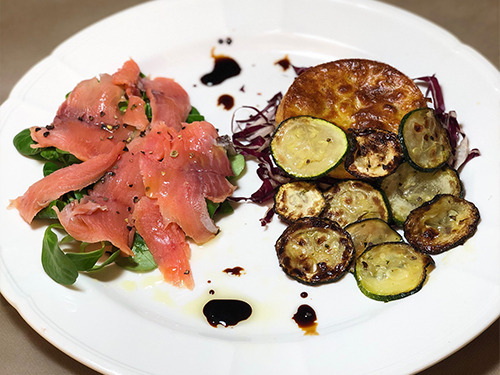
(306, 147)
(368, 232)
(315, 250)
(390, 271)
(353, 200)
(298, 199)
(373, 153)
(408, 188)
(424, 139)
(441, 224)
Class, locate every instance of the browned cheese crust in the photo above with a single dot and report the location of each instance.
(353, 94)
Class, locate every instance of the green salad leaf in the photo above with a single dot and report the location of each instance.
(194, 115)
(142, 261)
(237, 164)
(111, 259)
(56, 264)
(64, 267)
(50, 167)
(23, 144)
(86, 261)
(23, 141)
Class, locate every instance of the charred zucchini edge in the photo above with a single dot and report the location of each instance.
(328, 272)
(386, 141)
(423, 240)
(288, 211)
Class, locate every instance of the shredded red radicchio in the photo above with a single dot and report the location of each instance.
(458, 140)
(251, 138)
(299, 69)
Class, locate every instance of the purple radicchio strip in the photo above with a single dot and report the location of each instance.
(458, 140)
(299, 69)
(251, 137)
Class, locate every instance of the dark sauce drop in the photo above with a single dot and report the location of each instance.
(228, 40)
(224, 67)
(235, 271)
(226, 312)
(227, 101)
(305, 317)
(304, 294)
(284, 63)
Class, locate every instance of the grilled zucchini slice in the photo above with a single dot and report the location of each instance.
(315, 250)
(441, 224)
(408, 188)
(424, 139)
(368, 232)
(298, 199)
(353, 200)
(306, 147)
(373, 153)
(392, 270)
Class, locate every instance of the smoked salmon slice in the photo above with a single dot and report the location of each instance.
(62, 181)
(94, 219)
(183, 169)
(82, 140)
(169, 102)
(100, 112)
(166, 242)
(123, 182)
(127, 75)
(106, 213)
(94, 101)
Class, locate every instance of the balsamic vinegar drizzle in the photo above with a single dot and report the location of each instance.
(229, 312)
(305, 317)
(284, 63)
(227, 101)
(235, 271)
(224, 67)
(226, 312)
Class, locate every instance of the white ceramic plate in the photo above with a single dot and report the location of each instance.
(120, 322)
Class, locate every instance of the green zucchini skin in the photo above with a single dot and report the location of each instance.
(368, 232)
(305, 154)
(424, 140)
(366, 265)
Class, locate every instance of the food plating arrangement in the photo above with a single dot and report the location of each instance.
(264, 189)
(352, 150)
